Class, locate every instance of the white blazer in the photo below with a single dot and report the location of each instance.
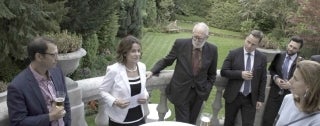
(115, 85)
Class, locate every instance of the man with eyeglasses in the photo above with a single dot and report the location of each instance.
(31, 94)
(194, 73)
(245, 69)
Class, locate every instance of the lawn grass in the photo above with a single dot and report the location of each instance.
(157, 45)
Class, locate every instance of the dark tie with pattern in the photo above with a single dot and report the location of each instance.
(247, 82)
(196, 55)
(285, 68)
(284, 72)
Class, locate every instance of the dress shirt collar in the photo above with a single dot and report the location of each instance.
(245, 52)
(39, 77)
(293, 57)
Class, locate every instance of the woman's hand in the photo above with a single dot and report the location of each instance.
(142, 100)
(121, 103)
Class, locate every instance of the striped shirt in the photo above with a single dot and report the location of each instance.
(48, 91)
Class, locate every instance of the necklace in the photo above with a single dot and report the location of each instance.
(132, 70)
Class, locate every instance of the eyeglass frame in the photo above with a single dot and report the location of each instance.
(199, 38)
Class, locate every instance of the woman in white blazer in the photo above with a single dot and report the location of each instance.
(124, 86)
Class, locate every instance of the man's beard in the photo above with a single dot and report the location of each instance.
(197, 45)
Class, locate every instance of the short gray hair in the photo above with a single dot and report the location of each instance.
(203, 26)
(257, 34)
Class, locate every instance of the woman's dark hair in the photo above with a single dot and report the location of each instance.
(125, 45)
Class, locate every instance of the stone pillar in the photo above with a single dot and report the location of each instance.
(76, 104)
(4, 117)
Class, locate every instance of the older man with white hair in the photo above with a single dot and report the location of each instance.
(194, 74)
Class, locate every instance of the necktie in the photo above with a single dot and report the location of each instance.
(285, 68)
(247, 82)
(196, 61)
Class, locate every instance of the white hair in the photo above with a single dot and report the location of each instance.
(203, 27)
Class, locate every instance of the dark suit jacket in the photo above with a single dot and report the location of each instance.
(232, 68)
(183, 79)
(275, 68)
(26, 104)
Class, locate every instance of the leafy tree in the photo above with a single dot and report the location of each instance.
(87, 16)
(307, 25)
(20, 21)
(107, 34)
(149, 13)
(225, 15)
(165, 9)
(130, 20)
(193, 7)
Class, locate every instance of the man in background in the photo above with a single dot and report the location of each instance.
(281, 70)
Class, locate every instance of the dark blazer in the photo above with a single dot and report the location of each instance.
(26, 104)
(232, 68)
(183, 79)
(275, 68)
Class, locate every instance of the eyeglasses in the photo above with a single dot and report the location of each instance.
(51, 54)
(198, 38)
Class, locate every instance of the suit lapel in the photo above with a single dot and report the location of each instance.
(34, 85)
(189, 48)
(124, 76)
(142, 75)
(241, 56)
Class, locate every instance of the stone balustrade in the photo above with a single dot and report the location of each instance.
(90, 92)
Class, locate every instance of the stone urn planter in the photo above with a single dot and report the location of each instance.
(270, 53)
(69, 62)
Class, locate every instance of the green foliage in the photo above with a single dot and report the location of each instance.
(193, 7)
(8, 70)
(3, 86)
(165, 9)
(106, 35)
(131, 18)
(90, 44)
(247, 26)
(5, 11)
(225, 16)
(307, 26)
(149, 13)
(66, 41)
(21, 20)
(88, 16)
(191, 18)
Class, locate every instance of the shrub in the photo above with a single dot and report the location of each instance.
(66, 41)
(3, 86)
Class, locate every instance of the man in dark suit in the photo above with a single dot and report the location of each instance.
(245, 69)
(194, 74)
(315, 58)
(281, 70)
(32, 92)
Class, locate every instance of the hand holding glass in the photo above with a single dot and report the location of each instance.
(60, 96)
